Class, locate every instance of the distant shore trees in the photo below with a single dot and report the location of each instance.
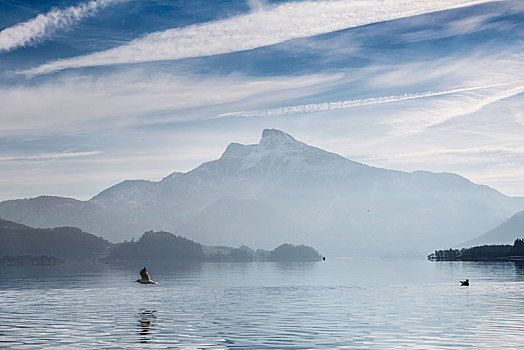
(504, 252)
(166, 246)
(24, 245)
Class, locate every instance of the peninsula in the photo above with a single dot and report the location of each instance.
(505, 252)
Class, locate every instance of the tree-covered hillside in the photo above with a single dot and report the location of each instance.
(290, 252)
(69, 243)
(157, 246)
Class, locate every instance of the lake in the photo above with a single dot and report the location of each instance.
(336, 304)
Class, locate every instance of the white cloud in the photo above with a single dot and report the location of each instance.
(417, 118)
(267, 25)
(473, 154)
(45, 25)
(483, 66)
(72, 104)
(256, 5)
(330, 106)
(44, 156)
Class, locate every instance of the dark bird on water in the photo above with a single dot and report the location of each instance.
(145, 277)
(464, 283)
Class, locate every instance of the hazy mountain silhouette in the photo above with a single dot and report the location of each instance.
(284, 190)
(505, 233)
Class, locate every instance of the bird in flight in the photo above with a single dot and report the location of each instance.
(145, 277)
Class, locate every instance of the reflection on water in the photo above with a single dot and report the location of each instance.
(336, 304)
(519, 269)
(488, 271)
(145, 325)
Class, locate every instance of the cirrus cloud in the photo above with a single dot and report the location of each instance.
(45, 25)
(267, 25)
(331, 106)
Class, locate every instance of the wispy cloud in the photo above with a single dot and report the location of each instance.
(67, 104)
(45, 25)
(479, 154)
(265, 25)
(256, 5)
(330, 106)
(45, 156)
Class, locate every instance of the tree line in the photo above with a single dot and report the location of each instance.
(485, 252)
(24, 245)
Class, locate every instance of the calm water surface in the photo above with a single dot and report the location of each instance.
(337, 304)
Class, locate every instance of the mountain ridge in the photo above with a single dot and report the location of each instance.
(282, 189)
(505, 233)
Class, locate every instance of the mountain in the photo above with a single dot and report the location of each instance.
(69, 243)
(505, 233)
(282, 190)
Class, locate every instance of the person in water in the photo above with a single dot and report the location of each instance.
(464, 283)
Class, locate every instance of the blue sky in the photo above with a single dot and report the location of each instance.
(96, 92)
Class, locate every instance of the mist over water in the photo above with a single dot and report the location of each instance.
(337, 304)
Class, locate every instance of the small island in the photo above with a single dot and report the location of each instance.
(284, 252)
(501, 252)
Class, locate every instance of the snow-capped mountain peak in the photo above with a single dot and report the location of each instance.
(278, 152)
(273, 138)
(273, 141)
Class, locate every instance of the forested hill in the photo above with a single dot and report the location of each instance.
(158, 246)
(69, 243)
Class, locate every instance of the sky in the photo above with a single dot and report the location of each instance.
(96, 92)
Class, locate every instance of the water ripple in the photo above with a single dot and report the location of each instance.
(346, 304)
